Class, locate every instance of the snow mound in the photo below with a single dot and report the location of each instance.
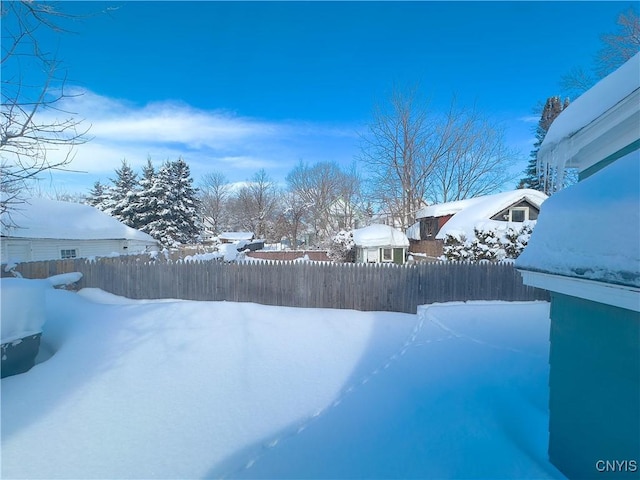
(591, 230)
(22, 307)
(65, 279)
(148, 389)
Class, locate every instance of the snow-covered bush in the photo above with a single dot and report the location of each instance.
(342, 247)
(517, 240)
(488, 244)
(456, 247)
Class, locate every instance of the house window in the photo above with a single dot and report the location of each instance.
(69, 253)
(387, 255)
(428, 228)
(519, 214)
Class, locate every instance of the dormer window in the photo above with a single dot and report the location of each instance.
(519, 214)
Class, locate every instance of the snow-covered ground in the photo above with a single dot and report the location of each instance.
(178, 389)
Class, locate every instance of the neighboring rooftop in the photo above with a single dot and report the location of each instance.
(44, 218)
(477, 212)
(591, 230)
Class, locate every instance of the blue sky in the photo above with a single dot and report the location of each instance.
(239, 86)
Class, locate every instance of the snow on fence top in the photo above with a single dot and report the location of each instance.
(379, 236)
(43, 218)
(590, 230)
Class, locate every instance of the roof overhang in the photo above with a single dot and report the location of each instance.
(621, 296)
(611, 132)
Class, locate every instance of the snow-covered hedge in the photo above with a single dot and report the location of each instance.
(493, 244)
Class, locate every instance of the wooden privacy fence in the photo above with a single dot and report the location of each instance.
(347, 286)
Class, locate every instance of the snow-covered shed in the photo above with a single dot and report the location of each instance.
(462, 217)
(43, 229)
(586, 251)
(380, 244)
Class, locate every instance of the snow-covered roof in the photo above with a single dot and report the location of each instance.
(235, 236)
(44, 218)
(591, 230)
(447, 208)
(609, 112)
(378, 235)
(470, 213)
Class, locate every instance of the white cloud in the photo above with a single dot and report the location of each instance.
(530, 119)
(207, 140)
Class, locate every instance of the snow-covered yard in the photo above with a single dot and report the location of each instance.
(178, 389)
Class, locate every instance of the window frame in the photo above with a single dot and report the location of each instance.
(525, 210)
(65, 253)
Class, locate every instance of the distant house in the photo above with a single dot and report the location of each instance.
(586, 251)
(52, 230)
(233, 237)
(435, 221)
(380, 244)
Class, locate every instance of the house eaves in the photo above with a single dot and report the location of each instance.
(601, 122)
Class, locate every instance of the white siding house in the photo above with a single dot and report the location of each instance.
(43, 229)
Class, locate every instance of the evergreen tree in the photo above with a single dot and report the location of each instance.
(99, 196)
(171, 205)
(185, 202)
(122, 193)
(140, 207)
(533, 178)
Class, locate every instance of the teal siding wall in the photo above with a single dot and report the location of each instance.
(594, 381)
(609, 160)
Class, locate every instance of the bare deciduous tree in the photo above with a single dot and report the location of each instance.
(255, 205)
(32, 121)
(349, 210)
(618, 47)
(329, 195)
(291, 219)
(476, 161)
(214, 194)
(399, 151)
(414, 155)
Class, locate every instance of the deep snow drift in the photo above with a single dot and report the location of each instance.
(562, 245)
(177, 389)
